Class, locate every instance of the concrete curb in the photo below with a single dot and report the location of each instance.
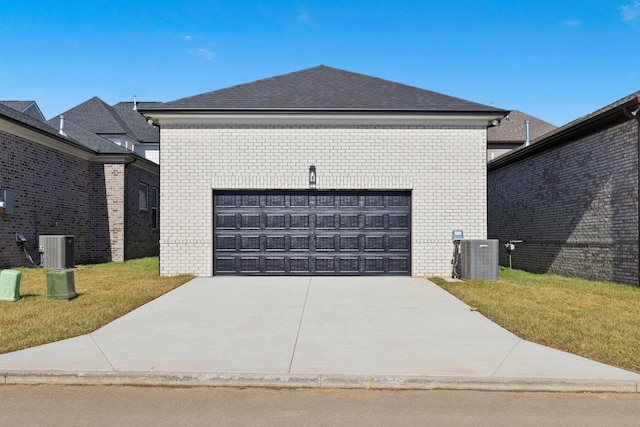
(196, 379)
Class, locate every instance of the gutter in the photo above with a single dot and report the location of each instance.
(569, 133)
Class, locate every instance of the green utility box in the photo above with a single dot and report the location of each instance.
(10, 285)
(60, 284)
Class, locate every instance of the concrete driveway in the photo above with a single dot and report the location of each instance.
(391, 332)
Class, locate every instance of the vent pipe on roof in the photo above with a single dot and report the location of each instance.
(135, 104)
(61, 131)
(526, 128)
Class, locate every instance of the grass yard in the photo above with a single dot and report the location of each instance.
(105, 292)
(600, 321)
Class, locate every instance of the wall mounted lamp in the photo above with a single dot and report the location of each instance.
(312, 176)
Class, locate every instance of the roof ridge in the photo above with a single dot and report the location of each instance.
(83, 113)
(324, 88)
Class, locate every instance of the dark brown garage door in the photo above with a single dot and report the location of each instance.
(312, 232)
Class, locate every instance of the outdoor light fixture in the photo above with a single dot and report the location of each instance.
(312, 176)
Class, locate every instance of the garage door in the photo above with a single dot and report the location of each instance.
(312, 233)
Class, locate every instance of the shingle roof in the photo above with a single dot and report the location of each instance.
(29, 108)
(76, 135)
(96, 116)
(513, 128)
(326, 89)
(17, 105)
(618, 112)
(25, 119)
(136, 122)
(91, 140)
(43, 127)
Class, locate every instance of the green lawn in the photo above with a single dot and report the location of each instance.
(600, 321)
(105, 292)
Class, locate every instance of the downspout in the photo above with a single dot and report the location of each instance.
(126, 207)
(634, 114)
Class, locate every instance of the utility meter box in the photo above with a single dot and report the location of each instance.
(61, 284)
(57, 251)
(479, 259)
(10, 285)
(6, 202)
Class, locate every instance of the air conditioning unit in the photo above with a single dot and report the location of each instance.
(479, 259)
(57, 251)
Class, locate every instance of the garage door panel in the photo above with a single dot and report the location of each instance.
(349, 221)
(250, 264)
(398, 243)
(349, 265)
(275, 221)
(349, 200)
(399, 221)
(326, 221)
(349, 243)
(325, 265)
(250, 200)
(275, 243)
(312, 232)
(300, 265)
(299, 200)
(374, 221)
(374, 243)
(398, 265)
(300, 221)
(325, 200)
(374, 264)
(275, 200)
(226, 221)
(226, 265)
(249, 243)
(300, 243)
(275, 265)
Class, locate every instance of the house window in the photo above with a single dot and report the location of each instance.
(143, 197)
(154, 208)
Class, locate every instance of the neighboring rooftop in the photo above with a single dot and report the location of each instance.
(75, 135)
(618, 112)
(96, 116)
(326, 89)
(137, 124)
(29, 108)
(513, 128)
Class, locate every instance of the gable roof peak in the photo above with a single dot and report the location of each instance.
(97, 116)
(324, 88)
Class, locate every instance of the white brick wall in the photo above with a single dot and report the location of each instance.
(444, 166)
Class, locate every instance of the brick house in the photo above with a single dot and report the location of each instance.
(320, 171)
(73, 182)
(572, 197)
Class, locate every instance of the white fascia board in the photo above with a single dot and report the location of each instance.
(446, 119)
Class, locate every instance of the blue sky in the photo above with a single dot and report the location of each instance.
(556, 60)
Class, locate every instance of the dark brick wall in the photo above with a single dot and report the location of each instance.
(52, 196)
(142, 240)
(57, 193)
(575, 207)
